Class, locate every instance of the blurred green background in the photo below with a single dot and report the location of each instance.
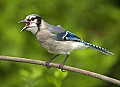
(95, 21)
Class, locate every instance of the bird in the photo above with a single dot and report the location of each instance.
(55, 39)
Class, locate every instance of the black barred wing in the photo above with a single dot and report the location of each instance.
(67, 36)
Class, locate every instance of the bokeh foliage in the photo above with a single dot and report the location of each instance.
(95, 21)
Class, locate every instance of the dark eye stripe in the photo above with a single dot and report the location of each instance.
(32, 19)
(28, 20)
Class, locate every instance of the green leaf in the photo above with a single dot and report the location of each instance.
(54, 81)
(60, 75)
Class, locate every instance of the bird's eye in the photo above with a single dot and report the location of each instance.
(28, 20)
(32, 19)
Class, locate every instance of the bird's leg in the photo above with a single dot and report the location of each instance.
(62, 64)
(47, 63)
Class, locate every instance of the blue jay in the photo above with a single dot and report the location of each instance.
(56, 39)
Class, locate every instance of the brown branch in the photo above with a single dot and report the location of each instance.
(77, 70)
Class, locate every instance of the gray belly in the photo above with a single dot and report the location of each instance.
(57, 47)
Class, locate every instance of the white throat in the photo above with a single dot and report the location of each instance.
(33, 30)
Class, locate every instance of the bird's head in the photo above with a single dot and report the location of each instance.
(33, 22)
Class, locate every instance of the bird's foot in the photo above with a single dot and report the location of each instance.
(47, 64)
(61, 67)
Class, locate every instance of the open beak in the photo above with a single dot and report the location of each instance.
(24, 28)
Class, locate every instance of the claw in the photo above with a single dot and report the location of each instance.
(47, 64)
(61, 67)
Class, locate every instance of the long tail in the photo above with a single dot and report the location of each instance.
(103, 50)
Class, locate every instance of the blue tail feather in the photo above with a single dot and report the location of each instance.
(103, 50)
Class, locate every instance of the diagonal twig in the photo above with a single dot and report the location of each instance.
(69, 68)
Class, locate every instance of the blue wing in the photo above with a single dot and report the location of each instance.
(67, 36)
